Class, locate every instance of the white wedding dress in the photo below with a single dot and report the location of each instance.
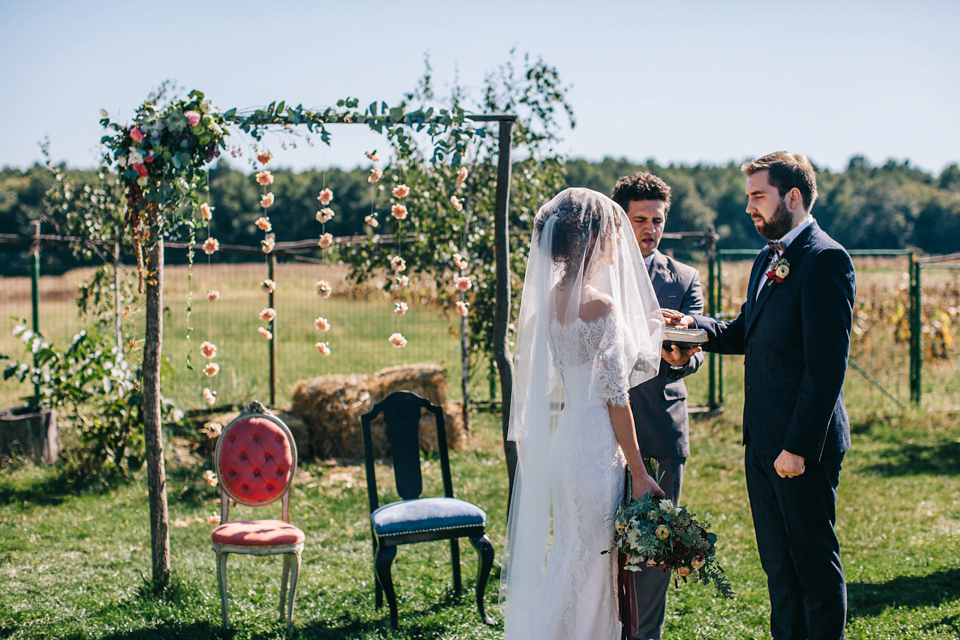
(577, 598)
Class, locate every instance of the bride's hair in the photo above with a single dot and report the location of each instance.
(579, 215)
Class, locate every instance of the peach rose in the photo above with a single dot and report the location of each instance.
(263, 157)
(372, 221)
(324, 215)
(399, 211)
(401, 191)
(460, 261)
(213, 295)
(323, 348)
(213, 519)
(323, 289)
(400, 308)
(268, 314)
(210, 477)
(375, 175)
(461, 175)
(325, 197)
(264, 178)
(322, 324)
(397, 263)
(455, 201)
(265, 333)
(209, 396)
(266, 200)
(212, 429)
(463, 283)
(268, 286)
(463, 308)
(208, 349)
(211, 369)
(372, 155)
(264, 224)
(267, 244)
(325, 240)
(206, 211)
(193, 118)
(402, 283)
(398, 340)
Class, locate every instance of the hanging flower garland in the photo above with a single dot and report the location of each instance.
(398, 265)
(323, 288)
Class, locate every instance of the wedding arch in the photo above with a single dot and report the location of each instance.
(160, 160)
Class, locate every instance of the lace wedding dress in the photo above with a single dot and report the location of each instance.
(578, 590)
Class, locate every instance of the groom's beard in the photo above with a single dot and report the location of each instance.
(779, 225)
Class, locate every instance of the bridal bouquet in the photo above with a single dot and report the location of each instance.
(654, 532)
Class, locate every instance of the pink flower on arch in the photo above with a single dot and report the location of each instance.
(455, 201)
(324, 215)
(322, 324)
(136, 134)
(460, 261)
(268, 243)
(212, 429)
(372, 221)
(213, 519)
(375, 175)
(268, 314)
(323, 348)
(263, 157)
(266, 200)
(264, 178)
(398, 340)
(400, 308)
(206, 211)
(325, 240)
(401, 191)
(397, 263)
(372, 155)
(399, 211)
(268, 286)
(208, 349)
(263, 224)
(209, 396)
(463, 283)
(210, 477)
(211, 369)
(323, 289)
(141, 170)
(193, 118)
(213, 295)
(266, 333)
(463, 308)
(402, 283)
(461, 175)
(325, 197)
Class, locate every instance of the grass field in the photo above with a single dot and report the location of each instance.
(75, 564)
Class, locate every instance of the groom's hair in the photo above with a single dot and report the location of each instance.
(641, 186)
(787, 170)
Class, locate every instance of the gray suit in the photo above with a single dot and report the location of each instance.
(660, 414)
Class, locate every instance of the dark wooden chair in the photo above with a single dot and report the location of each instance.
(415, 518)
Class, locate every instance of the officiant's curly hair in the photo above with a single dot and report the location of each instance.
(641, 186)
(787, 171)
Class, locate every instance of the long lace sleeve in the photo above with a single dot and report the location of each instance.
(610, 371)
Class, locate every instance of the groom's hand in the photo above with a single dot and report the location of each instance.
(789, 465)
(677, 357)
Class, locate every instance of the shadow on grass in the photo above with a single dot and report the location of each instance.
(197, 631)
(866, 599)
(54, 488)
(915, 459)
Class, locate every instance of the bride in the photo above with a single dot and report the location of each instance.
(590, 328)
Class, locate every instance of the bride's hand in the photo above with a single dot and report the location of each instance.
(644, 484)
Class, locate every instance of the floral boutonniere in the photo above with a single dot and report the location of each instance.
(778, 272)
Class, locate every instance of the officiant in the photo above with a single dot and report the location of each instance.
(660, 404)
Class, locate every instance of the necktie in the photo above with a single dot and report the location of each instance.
(777, 247)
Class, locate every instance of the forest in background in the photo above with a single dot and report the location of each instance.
(889, 206)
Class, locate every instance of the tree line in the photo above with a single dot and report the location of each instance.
(888, 206)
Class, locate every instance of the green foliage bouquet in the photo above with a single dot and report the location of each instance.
(654, 532)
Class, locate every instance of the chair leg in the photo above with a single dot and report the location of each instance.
(485, 550)
(291, 560)
(222, 581)
(385, 556)
(378, 590)
(455, 559)
(283, 586)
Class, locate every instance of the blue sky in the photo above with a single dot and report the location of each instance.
(683, 81)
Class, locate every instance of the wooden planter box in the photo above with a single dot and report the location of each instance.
(30, 432)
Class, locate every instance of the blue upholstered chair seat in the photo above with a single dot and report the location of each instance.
(408, 520)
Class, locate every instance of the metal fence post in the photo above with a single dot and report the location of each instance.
(35, 293)
(916, 353)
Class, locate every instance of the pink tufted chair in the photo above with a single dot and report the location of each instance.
(255, 460)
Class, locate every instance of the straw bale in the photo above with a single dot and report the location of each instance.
(329, 409)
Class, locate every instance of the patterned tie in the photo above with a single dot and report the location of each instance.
(777, 247)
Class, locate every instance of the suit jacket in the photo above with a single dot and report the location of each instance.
(795, 338)
(660, 404)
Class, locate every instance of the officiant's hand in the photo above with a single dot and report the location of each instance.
(789, 465)
(675, 318)
(677, 357)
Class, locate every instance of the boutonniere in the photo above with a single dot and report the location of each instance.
(778, 272)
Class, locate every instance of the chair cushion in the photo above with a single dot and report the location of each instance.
(426, 515)
(255, 460)
(257, 533)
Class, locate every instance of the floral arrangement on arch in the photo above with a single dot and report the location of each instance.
(160, 157)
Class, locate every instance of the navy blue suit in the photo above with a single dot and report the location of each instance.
(795, 338)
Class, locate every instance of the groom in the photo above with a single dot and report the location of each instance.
(794, 331)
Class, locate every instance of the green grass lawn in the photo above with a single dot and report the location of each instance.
(75, 565)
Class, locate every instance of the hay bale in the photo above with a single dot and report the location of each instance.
(330, 408)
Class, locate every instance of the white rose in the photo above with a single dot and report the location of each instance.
(782, 271)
